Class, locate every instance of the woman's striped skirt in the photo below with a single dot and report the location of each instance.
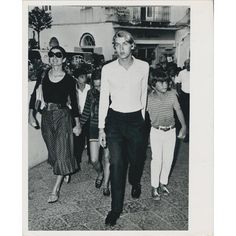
(57, 133)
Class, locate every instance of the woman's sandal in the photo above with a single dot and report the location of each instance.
(53, 197)
(98, 182)
(67, 179)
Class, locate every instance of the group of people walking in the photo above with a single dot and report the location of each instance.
(110, 115)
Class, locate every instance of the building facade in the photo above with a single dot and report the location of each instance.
(156, 29)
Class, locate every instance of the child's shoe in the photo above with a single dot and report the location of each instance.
(155, 194)
(164, 190)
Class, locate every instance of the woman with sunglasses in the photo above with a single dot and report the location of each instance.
(56, 124)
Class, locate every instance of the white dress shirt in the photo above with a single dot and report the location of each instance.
(184, 79)
(82, 97)
(127, 88)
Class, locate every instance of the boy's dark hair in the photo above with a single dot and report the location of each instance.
(96, 75)
(159, 76)
(79, 71)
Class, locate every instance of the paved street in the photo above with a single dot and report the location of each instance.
(83, 207)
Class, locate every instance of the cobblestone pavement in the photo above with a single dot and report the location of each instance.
(83, 207)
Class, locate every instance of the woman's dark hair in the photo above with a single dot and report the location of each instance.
(95, 94)
(59, 48)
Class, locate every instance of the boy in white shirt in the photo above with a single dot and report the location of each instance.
(81, 88)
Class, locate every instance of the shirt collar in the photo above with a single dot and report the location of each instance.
(134, 62)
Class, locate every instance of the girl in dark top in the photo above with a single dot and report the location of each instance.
(56, 125)
(90, 114)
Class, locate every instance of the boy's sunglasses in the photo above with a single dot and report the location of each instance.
(57, 54)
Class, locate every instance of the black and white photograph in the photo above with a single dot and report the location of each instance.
(110, 117)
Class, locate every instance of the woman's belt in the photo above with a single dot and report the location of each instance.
(54, 106)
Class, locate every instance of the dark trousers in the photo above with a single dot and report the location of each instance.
(127, 144)
(79, 144)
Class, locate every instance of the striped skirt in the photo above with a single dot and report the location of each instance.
(58, 136)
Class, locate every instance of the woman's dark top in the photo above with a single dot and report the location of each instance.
(57, 92)
(90, 111)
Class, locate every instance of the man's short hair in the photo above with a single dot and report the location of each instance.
(123, 34)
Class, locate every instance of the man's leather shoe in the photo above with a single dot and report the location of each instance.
(112, 218)
(136, 191)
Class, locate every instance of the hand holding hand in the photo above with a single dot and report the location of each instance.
(102, 138)
(77, 130)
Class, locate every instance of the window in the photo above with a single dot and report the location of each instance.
(87, 40)
(46, 8)
(86, 7)
(149, 11)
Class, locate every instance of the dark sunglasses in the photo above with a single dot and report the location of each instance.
(57, 54)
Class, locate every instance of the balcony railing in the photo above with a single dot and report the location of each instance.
(138, 14)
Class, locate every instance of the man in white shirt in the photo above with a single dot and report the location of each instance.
(122, 105)
(82, 89)
(183, 88)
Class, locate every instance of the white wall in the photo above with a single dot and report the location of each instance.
(177, 13)
(75, 14)
(37, 151)
(69, 36)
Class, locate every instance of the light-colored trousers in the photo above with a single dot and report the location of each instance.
(163, 147)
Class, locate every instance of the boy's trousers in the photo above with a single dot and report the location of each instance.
(162, 146)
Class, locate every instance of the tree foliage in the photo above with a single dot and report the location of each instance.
(39, 20)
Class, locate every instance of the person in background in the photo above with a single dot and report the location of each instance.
(161, 105)
(53, 42)
(162, 65)
(122, 104)
(183, 89)
(56, 124)
(172, 72)
(82, 89)
(90, 117)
